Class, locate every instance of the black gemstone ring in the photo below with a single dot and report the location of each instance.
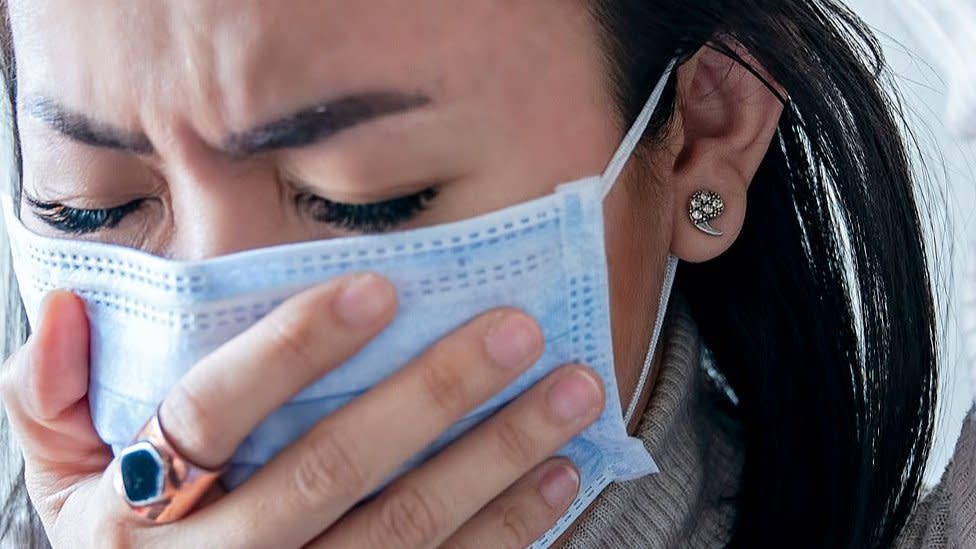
(156, 481)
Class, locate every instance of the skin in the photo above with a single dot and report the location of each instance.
(517, 101)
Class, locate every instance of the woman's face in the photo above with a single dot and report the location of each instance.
(205, 128)
(241, 124)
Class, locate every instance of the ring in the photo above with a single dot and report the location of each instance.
(155, 480)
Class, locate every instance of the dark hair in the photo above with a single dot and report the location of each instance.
(821, 316)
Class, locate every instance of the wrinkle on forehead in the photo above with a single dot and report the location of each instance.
(214, 66)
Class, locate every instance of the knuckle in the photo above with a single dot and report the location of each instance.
(514, 443)
(514, 528)
(327, 471)
(46, 491)
(291, 335)
(407, 519)
(445, 387)
(189, 421)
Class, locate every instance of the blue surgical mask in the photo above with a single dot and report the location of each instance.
(152, 319)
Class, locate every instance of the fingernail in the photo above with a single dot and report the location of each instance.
(573, 396)
(364, 300)
(559, 486)
(512, 341)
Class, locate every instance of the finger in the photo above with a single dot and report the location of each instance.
(524, 512)
(218, 403)
(315, 481)
(228, 393)
(425, 507)
(213, 495)
(96, 512)
(44, 388)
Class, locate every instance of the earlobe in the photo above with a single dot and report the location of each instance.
(727, 120)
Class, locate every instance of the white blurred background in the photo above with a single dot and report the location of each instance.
(951, 191)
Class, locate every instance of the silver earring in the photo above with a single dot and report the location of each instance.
(703, 207)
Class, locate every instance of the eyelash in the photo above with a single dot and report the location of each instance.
(78, 221)
(377, 217)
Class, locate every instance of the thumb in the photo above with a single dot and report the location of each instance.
(45, 391)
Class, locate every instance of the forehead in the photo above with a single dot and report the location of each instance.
(228, 62)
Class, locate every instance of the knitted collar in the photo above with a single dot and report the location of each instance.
(698, 449)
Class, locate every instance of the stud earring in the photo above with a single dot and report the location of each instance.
(703, 207)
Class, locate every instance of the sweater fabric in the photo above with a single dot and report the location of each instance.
(699, 450)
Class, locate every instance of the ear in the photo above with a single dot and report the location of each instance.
(726, 119)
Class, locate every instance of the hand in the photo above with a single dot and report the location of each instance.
(492, 488)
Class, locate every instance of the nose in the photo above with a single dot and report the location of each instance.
(217, 221)
(217, 203)
(221, 206)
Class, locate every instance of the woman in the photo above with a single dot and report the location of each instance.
(812, 306)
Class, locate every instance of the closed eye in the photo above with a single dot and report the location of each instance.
(80, 221)
(376, 217)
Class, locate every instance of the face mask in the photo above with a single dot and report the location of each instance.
(945, 29)
(152, 319)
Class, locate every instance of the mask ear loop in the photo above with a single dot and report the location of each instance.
(609, 179)
(662, 308)
(636, 133)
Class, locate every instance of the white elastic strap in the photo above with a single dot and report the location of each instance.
(662, 309)
(636, 133)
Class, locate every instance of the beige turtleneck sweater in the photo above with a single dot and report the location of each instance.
(690, 503)
(687, 504)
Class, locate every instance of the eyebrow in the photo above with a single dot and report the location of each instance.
(85, 130)
(321, 122)
(300, 129)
